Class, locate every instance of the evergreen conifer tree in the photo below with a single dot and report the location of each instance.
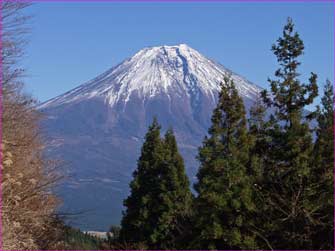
(160, 196)
(258, 138)
(225, 201)
(323, 176)
(175, 198)
(288, 166)
(259, 143)
(137, 221)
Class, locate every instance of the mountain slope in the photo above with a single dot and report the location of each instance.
(98, 127)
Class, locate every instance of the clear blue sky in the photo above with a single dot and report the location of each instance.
(73, 42)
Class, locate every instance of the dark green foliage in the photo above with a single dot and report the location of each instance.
(287, 187)
(323, 177)
(259, 145)
(225, 202)
(290, 95)
(259, 140)
(160, 198)
(113, 237)
(138, 222)
(176, 197)
(114, 233)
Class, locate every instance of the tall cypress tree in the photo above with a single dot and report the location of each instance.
(137, 221)
(175, 198)
(160, 196)
(323, 171)
(224, 200)
(288, 167)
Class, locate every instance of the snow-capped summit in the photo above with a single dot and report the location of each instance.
(98, 127)
(154, 71)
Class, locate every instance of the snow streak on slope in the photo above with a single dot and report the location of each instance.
(170, 70)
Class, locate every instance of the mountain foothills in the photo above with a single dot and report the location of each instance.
(98, 127)
(262, 175)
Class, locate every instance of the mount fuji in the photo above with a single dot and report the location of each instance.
(97, 129)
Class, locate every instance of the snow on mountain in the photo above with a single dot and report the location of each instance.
(97, 129)
(156, 70)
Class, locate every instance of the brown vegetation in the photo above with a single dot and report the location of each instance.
(28, 205)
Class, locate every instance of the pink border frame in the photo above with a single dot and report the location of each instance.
(1, 153)
(147, 1)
